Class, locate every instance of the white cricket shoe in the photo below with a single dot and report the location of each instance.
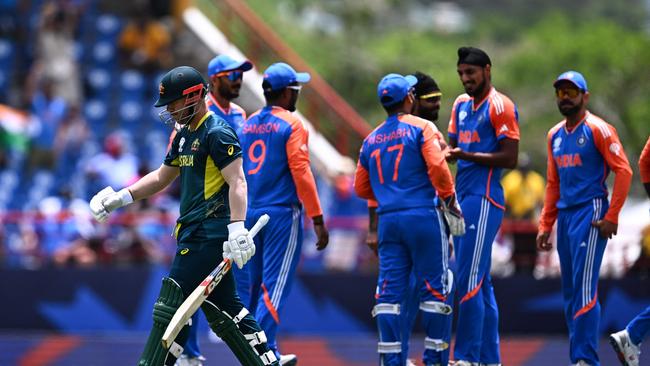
(190, 361)
(410, 362)
(582, 363)
(465, 363)
(627, 352)
(288, 360)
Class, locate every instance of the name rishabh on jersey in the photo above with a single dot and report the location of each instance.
(479, 129)
(276, 161)
(401, 165)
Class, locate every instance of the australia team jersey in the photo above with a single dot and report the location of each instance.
(479, 129)
(235, 115)
(276, 161)
(401, 165)
(201, 154)
(579, 162)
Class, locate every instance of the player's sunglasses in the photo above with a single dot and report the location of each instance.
(567, 92)
(295, 87)
(232, 75)
(431, 97)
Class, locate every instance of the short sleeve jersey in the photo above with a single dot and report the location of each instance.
(395, 156)
(235, 115)
(201, 155)
(479, 129)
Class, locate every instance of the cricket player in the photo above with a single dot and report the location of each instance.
(207, 156)
(276, 163)
(426, 105)
(627, 342)
(582, 150)
(484, 136)
(402, 166)
(225, 76)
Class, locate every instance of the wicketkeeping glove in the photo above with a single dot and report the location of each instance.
(240, 246)
(453, 215)
(107, 201)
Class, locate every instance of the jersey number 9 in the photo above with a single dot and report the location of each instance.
(257, 158)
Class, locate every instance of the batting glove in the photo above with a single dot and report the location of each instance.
(107, 201)
(240, 247)
(453, 215)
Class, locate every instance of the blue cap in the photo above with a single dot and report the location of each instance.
(574, 77)
(393, 88)
(223, 63)
(280, 75)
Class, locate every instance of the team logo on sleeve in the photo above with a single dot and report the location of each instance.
(180, 144)
(231, 150)
(556, 144)
(615, 148)
(195, 145)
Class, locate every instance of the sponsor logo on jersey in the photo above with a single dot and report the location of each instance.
(462, 115)
(503, 129)
(180, 144)
(195, 145)
(556, 144)
(568, 160)
(468, 137)
(185, 251)
(615, 148)
(231, 150)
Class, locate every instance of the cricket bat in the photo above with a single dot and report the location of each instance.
(196, 298)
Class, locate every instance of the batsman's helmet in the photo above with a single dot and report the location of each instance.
(178, 83)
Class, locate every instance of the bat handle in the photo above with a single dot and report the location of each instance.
(259, 224)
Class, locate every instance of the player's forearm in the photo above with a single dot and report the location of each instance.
(372, 219)
(153, 182)
(238, 198)
(499, 159)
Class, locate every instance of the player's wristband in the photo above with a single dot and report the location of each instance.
(318, 220)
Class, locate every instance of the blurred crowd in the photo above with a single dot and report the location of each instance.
(64, 134)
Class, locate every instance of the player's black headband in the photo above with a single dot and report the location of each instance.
(473, 56)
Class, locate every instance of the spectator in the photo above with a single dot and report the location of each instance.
(524, 190)
(145, 44)
(115, 166)
(50, 110)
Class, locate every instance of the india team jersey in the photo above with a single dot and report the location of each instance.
(276, 161)
(479, 129)
(579, 162)
(201, 154)
(644, 163)
(235, 115)
(402, 165)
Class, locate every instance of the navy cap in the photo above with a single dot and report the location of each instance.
(393, 88)
(574, 77)
(281, 75)
(223, 63)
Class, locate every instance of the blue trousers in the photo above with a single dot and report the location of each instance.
(273, 267)
(191, 348)
(581, 249)
(411, 241)
(477, 331)
(639, 326)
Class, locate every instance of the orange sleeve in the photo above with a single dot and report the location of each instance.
(362, 184)
(607, 142)
(503, 116)
(644, 163)
(452, 129)
(372, 203)
(437, 167)
(549, 211)
(298, 159)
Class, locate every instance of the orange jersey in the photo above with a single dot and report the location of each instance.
(644, 163)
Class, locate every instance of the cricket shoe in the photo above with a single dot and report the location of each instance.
(465, 363)
(410, 362)
(627, 352)
(288, 360)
